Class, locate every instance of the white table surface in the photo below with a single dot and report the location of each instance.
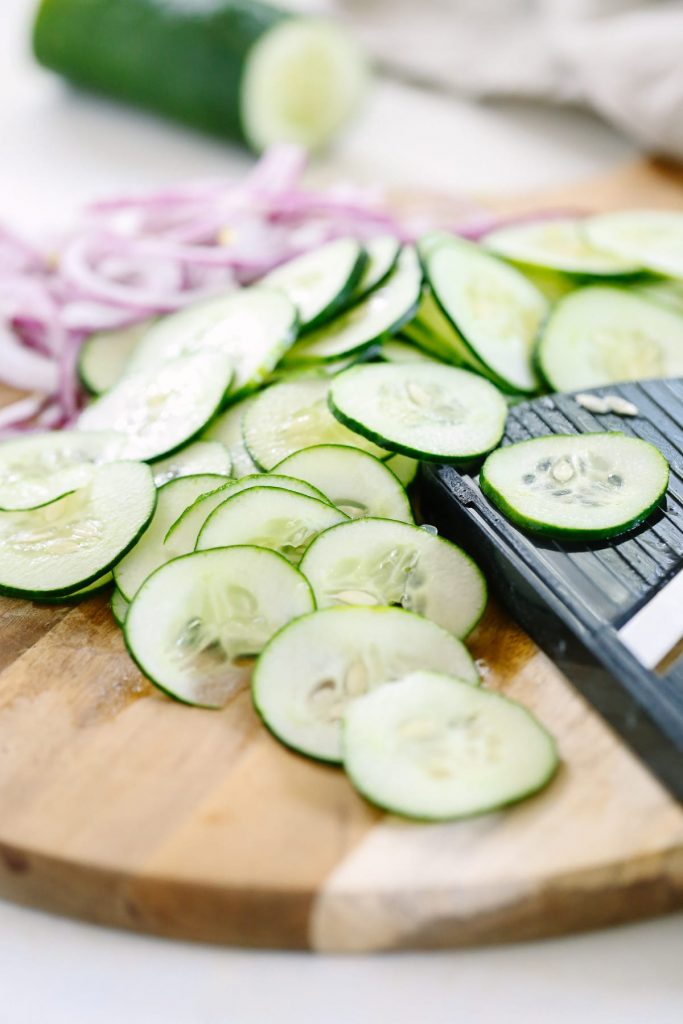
(57, 149)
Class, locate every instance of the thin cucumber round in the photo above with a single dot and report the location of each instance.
(227, 428)
(383, 253)
(384, 311)
(64, 546)
(432, 747)
(252, 328)
(294, 415)
(651, 238)
(313, 668)
(39, 468)
(404, 468)
(119, 606)
(582, 486)
(184, 531)
(198, 457)
(357, 483)
(320, 282)
(601, 335)
(161, 409)
(394, 350)
(104, 356)
(196, 621)
(432, 412)
(268, 517)
(380, 562)
(435, 335)
(150, 551)
(495, 309)
(558, 244)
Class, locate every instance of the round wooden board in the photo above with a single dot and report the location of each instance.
(122, 807)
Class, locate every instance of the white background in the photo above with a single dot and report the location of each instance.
(58, 148)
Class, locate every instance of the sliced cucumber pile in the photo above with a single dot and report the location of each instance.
(354, 481)
(651, 238)
(384, 311)
(38, 468)
(162, 408)
(151, 551)
(430, 746)
(380, 562)
(62, 547)
(321, 282)
(313, 668)
(559, 244)
(198, 457)
(432, 412)
(252, 328)
(294, 415)
(583, 486)
(268, 517)
(196, 622)
(104, 356)
(494, 308)
(601, 335)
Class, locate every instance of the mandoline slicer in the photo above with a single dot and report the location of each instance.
(608, 613)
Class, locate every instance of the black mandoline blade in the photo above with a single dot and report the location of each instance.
(610, 613)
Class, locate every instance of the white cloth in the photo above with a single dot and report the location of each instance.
(624, 58)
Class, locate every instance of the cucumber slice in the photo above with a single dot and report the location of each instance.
(585, 486)
(183, 533)
(558, 244)
(313, 668)
(357, 483)
(78, 595)
(62, 547)
(295, 415)
(432, 747)
(384, 311)
(322, 281)
(163, 408)
(404, 468)
(382, 253)
(227, 428)
(668, 293)
(119, 606)
(253, 328)
(198, 457)
(601, 335)
(494, 307)
(150, 552)
(39, 468)
(435, 334)
(438, 413)
(268, 517)
(381, 562)
(651, 238)
(394, 350)
(196, 621)
(104, 356)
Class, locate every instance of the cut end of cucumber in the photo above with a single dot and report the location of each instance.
(302, 82)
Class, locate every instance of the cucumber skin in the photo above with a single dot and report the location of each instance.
(563, 532)
(341, 301)
(180, 60)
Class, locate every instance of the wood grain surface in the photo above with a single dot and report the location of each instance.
(119, 806)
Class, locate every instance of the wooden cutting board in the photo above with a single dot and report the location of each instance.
(121, 807)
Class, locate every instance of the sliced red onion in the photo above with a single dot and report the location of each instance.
(24, 368)
(19, 412)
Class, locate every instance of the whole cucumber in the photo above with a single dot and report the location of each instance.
(237, 68)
